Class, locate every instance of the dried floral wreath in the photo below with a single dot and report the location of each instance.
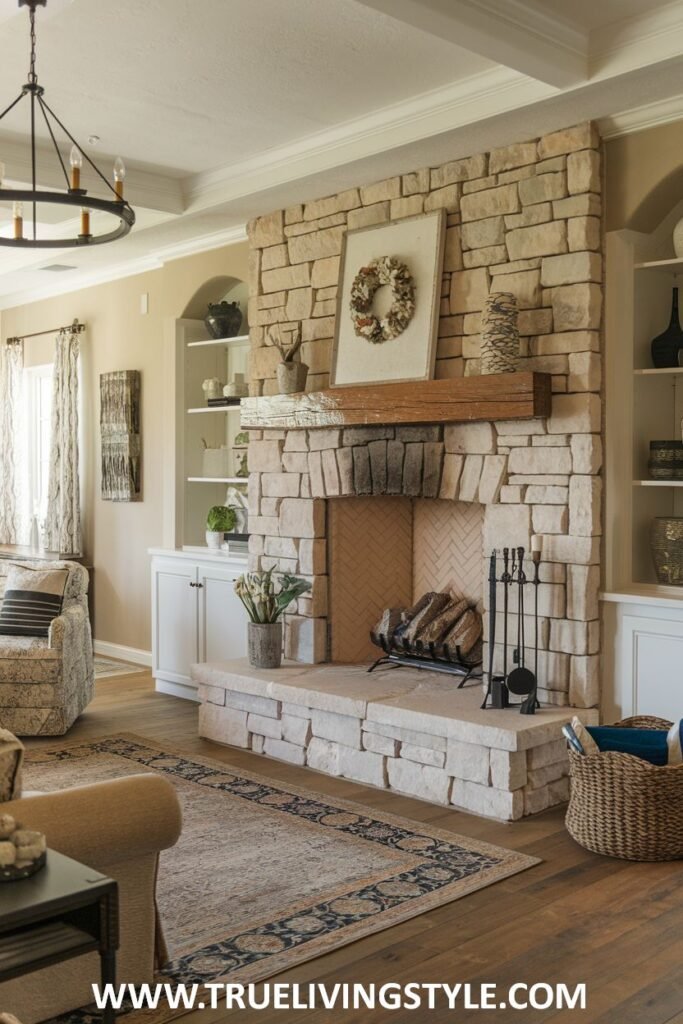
(386, 270)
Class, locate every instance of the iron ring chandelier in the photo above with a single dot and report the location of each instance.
(74, 196)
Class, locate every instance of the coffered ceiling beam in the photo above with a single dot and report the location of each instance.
(157, 192)
(516, 33)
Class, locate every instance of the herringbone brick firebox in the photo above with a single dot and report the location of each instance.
(388, 552)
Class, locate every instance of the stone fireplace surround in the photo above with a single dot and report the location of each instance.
(294, 473)
(526, 219)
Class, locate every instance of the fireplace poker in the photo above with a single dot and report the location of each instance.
(531, 703)
(499, 692)
(492, 622)
(521, 680)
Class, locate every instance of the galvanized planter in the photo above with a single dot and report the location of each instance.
(291, 377)
(264, 644)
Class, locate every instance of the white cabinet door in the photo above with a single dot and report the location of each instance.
(654, 648)
(222, 618)
(174, 617)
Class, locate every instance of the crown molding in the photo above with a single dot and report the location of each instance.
(491, 92)
(638, 41)
(639, 118)
(203, 243)
(536, 20)
(130, 268)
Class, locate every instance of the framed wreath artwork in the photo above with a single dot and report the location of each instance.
(388, 302)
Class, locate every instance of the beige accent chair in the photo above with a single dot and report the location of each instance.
(118, 828)
(45, 682)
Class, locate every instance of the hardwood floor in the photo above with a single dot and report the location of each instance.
(576, 918)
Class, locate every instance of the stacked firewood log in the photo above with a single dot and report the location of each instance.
(438, 619)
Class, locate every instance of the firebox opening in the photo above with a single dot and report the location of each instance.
(388, 552)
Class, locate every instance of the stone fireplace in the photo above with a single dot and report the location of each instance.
(376, 511)
(431, 503)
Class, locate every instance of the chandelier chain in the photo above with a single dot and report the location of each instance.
(32, 76)
(73, 195)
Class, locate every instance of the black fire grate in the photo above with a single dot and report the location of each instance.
(432, 656)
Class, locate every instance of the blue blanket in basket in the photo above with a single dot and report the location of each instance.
(654, 745)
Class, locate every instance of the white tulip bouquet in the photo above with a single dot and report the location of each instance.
(266, 595)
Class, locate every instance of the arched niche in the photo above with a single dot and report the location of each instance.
(219, 289)
(656, 206)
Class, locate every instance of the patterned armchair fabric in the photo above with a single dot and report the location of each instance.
(46, 682)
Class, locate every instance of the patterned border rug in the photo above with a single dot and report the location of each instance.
(107, 667)
(267, 876)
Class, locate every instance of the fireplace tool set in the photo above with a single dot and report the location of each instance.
(517, 678)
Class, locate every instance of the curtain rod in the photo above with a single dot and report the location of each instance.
(75, 328)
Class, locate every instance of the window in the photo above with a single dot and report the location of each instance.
(38, 395)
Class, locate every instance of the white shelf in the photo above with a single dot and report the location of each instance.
(646, 593)
(658, 483)
(217, 480)
(664, 371)
(241, 339)
(672, 266)
(214, 408)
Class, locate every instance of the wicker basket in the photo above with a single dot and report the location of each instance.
(622, 806)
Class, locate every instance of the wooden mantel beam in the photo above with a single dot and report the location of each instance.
(509, 396)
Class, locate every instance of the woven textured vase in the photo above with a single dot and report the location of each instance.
(666, 543)
(499, 334)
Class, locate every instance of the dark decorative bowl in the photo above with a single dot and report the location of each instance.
(666, 460)
(14, 874)
(223, 319)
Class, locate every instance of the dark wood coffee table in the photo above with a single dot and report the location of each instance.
(65, 910)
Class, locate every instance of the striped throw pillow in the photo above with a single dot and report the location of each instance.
(33, 598)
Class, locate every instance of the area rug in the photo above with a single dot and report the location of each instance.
(267, 876)
(108, 667)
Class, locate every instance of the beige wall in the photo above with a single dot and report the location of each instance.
(117, 535)
(643, 177)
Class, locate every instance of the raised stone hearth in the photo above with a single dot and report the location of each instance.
(406, 730)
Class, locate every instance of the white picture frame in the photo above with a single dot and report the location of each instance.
(419, 243)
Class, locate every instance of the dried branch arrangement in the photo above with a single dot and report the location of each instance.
(287, 350)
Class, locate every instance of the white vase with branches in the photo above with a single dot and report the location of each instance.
(291, 373)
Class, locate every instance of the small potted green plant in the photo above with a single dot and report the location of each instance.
(266, 595)
(220, 520)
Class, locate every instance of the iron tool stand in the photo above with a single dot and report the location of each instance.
(497, 690)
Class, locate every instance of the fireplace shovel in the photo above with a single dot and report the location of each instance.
(521, 680)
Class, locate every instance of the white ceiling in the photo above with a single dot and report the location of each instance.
(186, 86)
(224, 109)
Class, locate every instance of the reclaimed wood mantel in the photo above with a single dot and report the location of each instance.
(506, 396)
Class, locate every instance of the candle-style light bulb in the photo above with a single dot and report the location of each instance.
(85, 221)
(18, 219)
(119, 175)
(76, 161)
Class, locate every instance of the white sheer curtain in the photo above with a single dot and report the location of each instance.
(11, 366)
(63, 522)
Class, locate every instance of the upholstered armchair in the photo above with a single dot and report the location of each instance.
(46, 682)
(119, 828)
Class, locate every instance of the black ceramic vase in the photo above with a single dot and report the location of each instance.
(223, 319)
(666, 346)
